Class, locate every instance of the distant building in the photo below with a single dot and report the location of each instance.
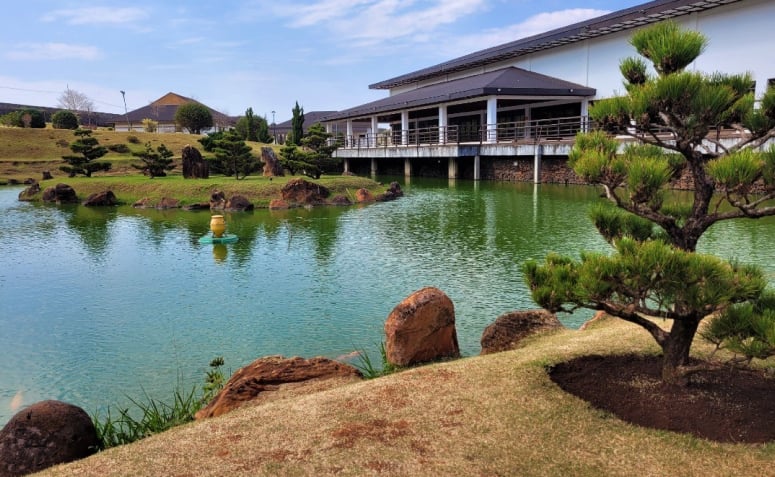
(529, 97)
(163, 112)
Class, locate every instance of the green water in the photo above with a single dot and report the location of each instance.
(98, 304)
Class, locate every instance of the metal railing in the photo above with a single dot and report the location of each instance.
(511, 132)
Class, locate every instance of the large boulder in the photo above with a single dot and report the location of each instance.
(392, 193)
(238, 203)
(269, 377)
(104, 198)
(29, 193)
(421, 328)
(272, 165)
(45, 434)
(194, 166)
(300, 191)
(363, 195)
(509, 329)
(217, 200)
(61, 194)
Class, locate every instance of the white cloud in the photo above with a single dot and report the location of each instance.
(369, 22)
(97, 15)
(52, 51)
(540, 23)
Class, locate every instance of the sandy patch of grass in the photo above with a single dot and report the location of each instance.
(498, 414)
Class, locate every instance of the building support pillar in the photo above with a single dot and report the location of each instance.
(492, 119)
(452, 168)
(539, 150)
(443, 124)
(349, 141)
(404, 128)
(407, 167)
(373, 166)
(585, 115)
(374, 131)
(346, 163)
(477, 168)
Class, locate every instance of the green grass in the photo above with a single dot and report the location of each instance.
(258, 189)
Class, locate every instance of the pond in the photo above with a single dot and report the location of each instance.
(100, 304)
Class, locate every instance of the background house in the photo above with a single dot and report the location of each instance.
(163, 111)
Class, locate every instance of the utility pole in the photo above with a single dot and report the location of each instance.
(129, 125)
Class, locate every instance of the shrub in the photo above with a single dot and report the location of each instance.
(132, 139)
(119, 148)
(149, 125)
(64, 120)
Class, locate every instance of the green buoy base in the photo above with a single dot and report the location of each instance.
(226, 238)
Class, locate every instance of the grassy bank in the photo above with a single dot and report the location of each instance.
(27, 152)
(259, 190)
(491, 415)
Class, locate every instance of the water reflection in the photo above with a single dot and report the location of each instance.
(95, 303)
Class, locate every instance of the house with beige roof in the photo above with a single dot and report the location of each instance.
(163, 112)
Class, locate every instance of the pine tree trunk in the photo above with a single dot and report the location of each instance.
(676, 350)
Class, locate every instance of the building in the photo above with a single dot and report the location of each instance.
(526, 99)
(163, 112)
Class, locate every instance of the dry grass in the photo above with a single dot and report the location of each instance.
(484, 416)
(27, 152)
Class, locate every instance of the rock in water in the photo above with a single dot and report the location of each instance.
(45, 434)
(421, 328)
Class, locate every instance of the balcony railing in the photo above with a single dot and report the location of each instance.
(512, 132)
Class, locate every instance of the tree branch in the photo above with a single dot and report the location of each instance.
(628, 313)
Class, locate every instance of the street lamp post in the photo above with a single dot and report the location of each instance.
(274, 128)
(128, 124)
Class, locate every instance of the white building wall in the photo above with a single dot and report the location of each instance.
(741, 37)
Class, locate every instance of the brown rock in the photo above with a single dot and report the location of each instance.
(363, 195)
(300, 191)
(143, 203)
(47, 175)
(271, 375)
(238, 203)
(217, 200)
(278, 204)
(29, 193)
(194, 166)
(599, 316)
(272, 167)
(104, 198)
(341, 200)
(61, 194)
(45, 434)
(421, 328)
(511, 328)
(393, 193)
(168, 203)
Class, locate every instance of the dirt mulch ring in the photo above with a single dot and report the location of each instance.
(724, 405)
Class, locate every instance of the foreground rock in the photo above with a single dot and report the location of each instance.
(393, 193)
(510, 328)
(272, 375)
(45, 434)
(421, 328)
(61, 194)
(194, 166)
(272, 167)
(101, 199)
(28, 194)
(301, 192)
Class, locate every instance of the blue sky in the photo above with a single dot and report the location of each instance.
(235, 54)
